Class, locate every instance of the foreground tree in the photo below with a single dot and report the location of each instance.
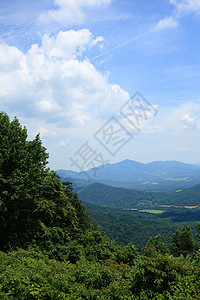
(22, 170)
(34, 207)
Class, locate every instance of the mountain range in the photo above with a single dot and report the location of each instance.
(153, 176)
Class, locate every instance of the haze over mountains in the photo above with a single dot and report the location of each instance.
(153, 176)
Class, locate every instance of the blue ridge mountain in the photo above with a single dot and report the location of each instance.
(153, 176)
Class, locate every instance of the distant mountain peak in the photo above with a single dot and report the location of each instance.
(128, 172)
(129, 161)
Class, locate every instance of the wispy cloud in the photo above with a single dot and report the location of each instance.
(186, 6)
(69, 11)
(181, 72)
(135, 38)
(175, 120)
(166, 23)
(62, 143)
(184, 149)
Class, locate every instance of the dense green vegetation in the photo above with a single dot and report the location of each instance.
(109, 196)
(36, 209)
(51, 249)
(109, 208)
(137, 227)
(189, 196)
(151, 275)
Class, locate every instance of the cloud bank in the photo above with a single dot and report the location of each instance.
(55, 82)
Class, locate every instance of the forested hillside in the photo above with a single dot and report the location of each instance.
(190, 196)
(134, 216)
(105, 195)
(51, 248)
(137, 226)
(108, 196)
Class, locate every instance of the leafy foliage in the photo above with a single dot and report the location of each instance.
(183, 242)
(26, 275)
(136, 227)
(22, 170)
(36, 209)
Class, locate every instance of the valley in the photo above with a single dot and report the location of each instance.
(134, 210)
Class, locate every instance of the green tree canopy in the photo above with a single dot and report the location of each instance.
(22, 171)
(183, 242)
(34, 204)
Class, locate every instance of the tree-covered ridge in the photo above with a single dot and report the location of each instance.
(190, 196)
(109, 196)
(51, 249)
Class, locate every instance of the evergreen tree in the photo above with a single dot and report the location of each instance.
(22, 170)
(83, 217)
(32, 199)
(183, 242)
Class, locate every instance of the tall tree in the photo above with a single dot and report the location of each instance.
(32, 199)
(183, 242)
(83, 218)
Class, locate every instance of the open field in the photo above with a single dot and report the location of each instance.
(152, 211)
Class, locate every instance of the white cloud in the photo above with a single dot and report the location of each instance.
(188, 118)
(62, 143)
(166, 23)
(9, 58)
(185, 117)
(175, 121)
(68, 44)
(70, 11)
(55, 83)
(184, 149)
(186, 6)
(44, 132)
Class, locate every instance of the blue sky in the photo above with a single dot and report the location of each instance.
(68, 66)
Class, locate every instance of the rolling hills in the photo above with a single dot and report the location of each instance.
(190, 196)
(107, 196)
